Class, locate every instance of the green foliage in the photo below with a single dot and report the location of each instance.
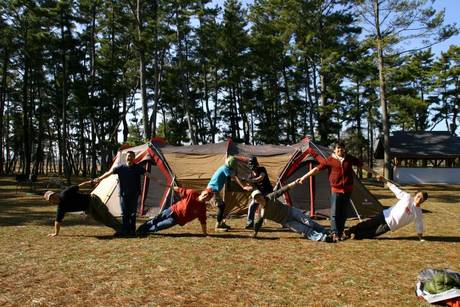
(268, 72)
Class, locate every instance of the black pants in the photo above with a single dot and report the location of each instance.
(370, 228)
(129, 211)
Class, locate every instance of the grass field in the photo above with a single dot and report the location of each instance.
(85, 266)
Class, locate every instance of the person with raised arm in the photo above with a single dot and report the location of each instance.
(340, 174)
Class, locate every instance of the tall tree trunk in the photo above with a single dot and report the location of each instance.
(82, 145)
(184, 81)
(142, 85)
(311, 103)
(6, 60)
(383, 103)
(64, 151)
(25, 116)
(91, 93)
(39, 151)
(156, 73)
(216, 102)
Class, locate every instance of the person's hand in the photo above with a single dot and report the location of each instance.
(299, 181)
(422, 240)
(52, 234)
(380, 177)
(248, 188)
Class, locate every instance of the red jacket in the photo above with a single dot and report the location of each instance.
(189, 208)
(340, 173)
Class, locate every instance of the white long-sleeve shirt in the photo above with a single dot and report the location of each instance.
(403, 212)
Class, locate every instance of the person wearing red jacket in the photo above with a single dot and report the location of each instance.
(192, 205)
(340, 167)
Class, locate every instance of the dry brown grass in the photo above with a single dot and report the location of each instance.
(86, 266)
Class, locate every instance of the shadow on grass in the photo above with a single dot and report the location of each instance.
(427, 238)
(236, 236)
(176, 235)
(271, 229)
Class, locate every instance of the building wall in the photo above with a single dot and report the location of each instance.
(410, 175)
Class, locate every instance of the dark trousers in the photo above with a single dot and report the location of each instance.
(370, 228)
(253, 206)
(218, 202)
(129, 211)
(163, 220)
(339, 205)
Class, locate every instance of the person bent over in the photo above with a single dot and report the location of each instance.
(217, 182)
(405, 211)
(72, 200)
(294, 218)
(192, 205)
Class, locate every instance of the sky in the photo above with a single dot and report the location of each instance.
(452, 8)
(452, 15)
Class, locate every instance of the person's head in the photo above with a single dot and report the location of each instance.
(420, 197)
(52, 197)
(258, 197)
(205, 195)
(231, 162)
(130, 156)
(339, 149)
(253, 163)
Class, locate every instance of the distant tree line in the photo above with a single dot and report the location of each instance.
(80, 77)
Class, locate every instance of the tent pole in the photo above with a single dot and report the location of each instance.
(148, 167)
(354, 208)
(312, 193)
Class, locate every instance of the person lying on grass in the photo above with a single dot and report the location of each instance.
(72, 200)
(407, 210)
(192, 205)
(294, 218)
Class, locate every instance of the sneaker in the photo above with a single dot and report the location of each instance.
(220, 228)
(120, 234)
(328, 239)
(249, 226)
(223, 225)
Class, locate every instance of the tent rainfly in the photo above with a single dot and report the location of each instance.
(192, 166)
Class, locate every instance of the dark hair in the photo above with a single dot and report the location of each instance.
(130, 152)
(253, 163)
(339, 144)
(425, 194)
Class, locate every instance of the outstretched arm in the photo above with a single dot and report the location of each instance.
(370, 170)
(57, 228)
(105, 175)
(281, 191)
(238, 182)
(85, 183)
(312, 172)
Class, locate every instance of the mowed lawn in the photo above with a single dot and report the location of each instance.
(85, 266)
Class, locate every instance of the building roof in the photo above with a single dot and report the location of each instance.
(421, 145)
